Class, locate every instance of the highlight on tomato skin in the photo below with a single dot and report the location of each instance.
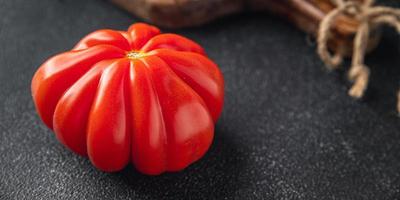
(137, 96)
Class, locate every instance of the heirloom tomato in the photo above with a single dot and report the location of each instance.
(136, 96)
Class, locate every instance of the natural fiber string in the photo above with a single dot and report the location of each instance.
(369, 17)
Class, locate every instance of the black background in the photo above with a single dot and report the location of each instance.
(288, 130)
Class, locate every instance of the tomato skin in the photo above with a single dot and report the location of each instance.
(59, 72)
(194, 69)
(72, 110)
(134, 96)
(108, 136)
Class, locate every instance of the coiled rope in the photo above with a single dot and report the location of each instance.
(369, 17)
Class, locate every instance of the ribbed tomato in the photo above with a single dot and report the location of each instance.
(132, 96)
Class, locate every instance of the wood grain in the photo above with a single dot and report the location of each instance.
(305, 14)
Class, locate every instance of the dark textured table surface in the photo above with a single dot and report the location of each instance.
(288, 130)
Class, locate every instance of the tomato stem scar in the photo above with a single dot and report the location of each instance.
(135, 54)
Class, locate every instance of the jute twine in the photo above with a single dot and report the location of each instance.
(369, 17)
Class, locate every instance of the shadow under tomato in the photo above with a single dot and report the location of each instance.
(213, 176)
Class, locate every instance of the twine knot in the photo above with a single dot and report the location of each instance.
(369, 18)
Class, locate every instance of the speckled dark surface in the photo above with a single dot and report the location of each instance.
(288, 130)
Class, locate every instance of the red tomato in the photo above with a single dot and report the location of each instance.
(132, 96)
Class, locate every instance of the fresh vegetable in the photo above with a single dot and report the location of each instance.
(132, 96)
